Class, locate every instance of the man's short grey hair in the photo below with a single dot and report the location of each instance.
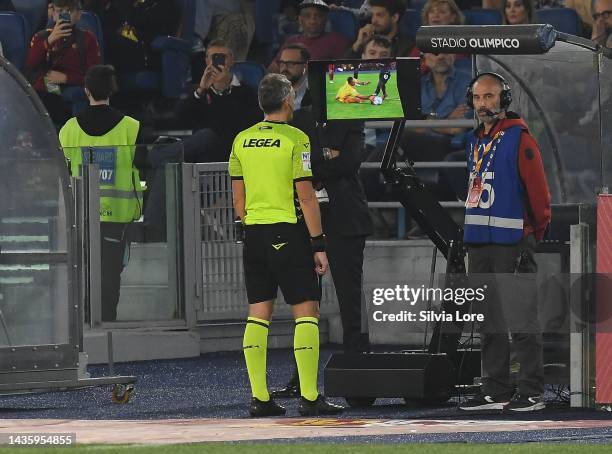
(273, 90)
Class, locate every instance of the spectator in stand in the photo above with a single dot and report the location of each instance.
(517, 12)
(602, 22)
(584, 8)
(232, 21)
(218, 107)
(386, 15)
(58, 60)
(293, 64)
(439, 12)
(442, 97)
(320, 44)
(129, 28)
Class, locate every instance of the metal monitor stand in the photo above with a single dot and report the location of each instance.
(417, 375)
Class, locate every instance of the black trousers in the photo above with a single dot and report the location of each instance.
(113, 243)
(345, 255)
(382, 86)
(510, 305)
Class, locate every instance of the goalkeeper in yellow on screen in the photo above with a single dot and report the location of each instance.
(349, 94)
(284, 245)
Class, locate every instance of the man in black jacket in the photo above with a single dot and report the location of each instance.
(336, 157)
(219, 107)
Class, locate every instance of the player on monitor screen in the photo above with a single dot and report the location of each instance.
(349, 94)
(383, 77)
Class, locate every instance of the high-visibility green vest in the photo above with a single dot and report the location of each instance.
(120, 189)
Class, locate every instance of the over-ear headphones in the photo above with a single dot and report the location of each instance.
(505, 97)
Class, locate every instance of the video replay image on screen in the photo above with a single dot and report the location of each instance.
(362, 90)
(381, 89)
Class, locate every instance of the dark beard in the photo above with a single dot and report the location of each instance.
(292, 79)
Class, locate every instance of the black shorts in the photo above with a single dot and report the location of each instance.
(279, 255)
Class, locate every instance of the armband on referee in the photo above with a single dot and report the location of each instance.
(318, 243)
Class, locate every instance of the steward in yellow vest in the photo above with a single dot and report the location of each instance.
(106, 137)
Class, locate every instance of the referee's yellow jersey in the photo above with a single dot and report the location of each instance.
(270, 157)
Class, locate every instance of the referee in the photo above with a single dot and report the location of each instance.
(273, 196)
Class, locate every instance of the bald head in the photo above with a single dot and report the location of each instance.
(486, 96)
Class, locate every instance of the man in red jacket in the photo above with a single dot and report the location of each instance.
(58, 60)
(507, 213)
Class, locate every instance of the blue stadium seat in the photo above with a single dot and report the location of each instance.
(345, 23)
(35, 12)
(91, 22)
(482, 17)
(565, 20)
(410, 22)
(249, 73)
(14, 31)
(417, 4)
(464, 65)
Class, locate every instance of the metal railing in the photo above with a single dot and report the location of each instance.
(222, 277)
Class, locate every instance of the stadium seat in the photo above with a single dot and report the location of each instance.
(14, 31)
(482, 17)
(565, 20)
(417, 4)
(249, 73)
(410, 22)
(345, 23)
(91, 22)
(464, 65)
(35, 13)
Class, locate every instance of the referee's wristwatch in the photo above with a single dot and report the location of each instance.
(318, 243)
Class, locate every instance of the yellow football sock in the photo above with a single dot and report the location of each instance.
(306, 350)
(255, 347)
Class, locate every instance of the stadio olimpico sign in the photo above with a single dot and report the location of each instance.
(487, 39)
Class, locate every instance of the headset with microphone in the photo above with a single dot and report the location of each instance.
(505, 97)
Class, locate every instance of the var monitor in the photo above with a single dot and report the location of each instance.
(380, 89)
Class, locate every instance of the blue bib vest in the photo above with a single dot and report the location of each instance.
(498, 219)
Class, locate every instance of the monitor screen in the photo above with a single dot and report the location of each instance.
(362, 90)
(379, 89)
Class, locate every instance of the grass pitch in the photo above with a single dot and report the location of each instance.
(336, 110)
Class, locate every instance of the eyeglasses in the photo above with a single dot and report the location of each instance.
(290, 63)
(604, 14)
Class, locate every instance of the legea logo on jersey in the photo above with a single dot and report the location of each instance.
(261, 143)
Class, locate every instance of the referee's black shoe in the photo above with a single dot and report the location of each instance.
(291, 389)
(260, 409)
(318, 407)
